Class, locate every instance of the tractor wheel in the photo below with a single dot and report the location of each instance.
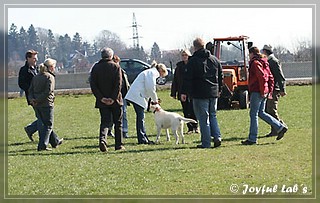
(244, 99)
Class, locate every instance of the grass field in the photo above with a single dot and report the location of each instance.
(77, 167)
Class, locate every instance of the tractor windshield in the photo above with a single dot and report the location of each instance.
(232, 53)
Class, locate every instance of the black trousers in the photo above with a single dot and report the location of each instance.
(187, 108)
(111, 115)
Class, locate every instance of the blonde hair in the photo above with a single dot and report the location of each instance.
(160, 66)
(186, 51)
(44, 67)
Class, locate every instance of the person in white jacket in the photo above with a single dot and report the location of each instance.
(143, 88)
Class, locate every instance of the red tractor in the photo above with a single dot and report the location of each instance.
(233, 53)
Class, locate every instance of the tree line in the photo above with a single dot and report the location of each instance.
(64, 48)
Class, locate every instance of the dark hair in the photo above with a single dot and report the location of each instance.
(255, 51)
(30, 53)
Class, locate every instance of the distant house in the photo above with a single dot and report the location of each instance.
(79, 62)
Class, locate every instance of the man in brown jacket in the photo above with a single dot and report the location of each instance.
(105, 82)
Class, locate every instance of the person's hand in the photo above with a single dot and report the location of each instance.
(33, 102)
(282, 94)
(183, 97)
(270, 96)
(107, 101)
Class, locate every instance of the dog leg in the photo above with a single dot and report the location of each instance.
(168, 135)
(176, 135)
(158, 134)
(181, 133)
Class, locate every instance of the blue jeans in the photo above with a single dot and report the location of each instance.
(205, 110)
(45, 127)
(257, 108)
(124, 118)
(32, 127)
(140, 124)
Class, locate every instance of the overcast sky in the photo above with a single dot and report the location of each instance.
(171, 28)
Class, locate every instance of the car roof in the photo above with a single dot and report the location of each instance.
(135, 60)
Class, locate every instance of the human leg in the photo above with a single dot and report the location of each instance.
(32, 127)
(214, 127)
(272, 109)
(255, 103)
(140, 124)
(46, 117)
(185, 106)
(191, 114)
(117, 119)
(201, 109)
(105, 120)
(124, 119)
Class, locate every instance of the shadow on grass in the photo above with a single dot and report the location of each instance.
(80, 138)
(19, 143)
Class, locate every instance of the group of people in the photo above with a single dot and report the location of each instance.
(197, 83)
(38, 84)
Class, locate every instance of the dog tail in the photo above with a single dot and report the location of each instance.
(187, 120)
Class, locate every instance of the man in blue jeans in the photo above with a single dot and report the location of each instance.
(203, 82)
(26, 74)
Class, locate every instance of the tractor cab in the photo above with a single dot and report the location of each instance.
(233, 53)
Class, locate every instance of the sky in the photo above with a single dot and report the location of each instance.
(173, 28)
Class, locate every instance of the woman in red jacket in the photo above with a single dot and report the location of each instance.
(260, 88)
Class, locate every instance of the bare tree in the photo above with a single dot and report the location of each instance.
(283, 54)
(110, 39)
(303, 50)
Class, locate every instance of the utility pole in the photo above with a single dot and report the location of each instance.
(135, 36)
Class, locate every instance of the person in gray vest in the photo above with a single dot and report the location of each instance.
(41, 97)
(279, 86)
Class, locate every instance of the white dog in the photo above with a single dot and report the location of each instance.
(166, 120)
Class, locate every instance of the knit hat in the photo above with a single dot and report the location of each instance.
(267, 47)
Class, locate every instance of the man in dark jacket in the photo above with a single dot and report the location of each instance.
(105, 82)
(26, 73)
(279, 86)
(203, 82)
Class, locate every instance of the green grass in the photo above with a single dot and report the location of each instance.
(77, 167)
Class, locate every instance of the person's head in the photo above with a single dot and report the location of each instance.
(116, 59)
(162, 69)
(31, 57)
(267, 49)
(107, 53)
(254, 51)
(209, 46)
(198, 43)
(48, 65)
(185, 54)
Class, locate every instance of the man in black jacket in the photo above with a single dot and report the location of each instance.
(26, 73)
(106, 82)
(279, 86)
(203, 82)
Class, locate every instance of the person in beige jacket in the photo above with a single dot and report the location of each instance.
(41, 97)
